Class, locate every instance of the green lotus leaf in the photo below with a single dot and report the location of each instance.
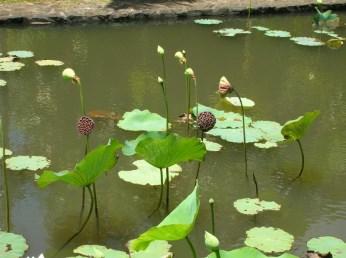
(156, 249)
(236, 135)
(12, 245)
(27, 163)
(271, 131)
(94, 164)
(244, 252)
(260, 28)
(249, 206)
(277, 33)
(307, 41)
(208, 21)
(269, 240)
(146, 174)
(285, 255)
(96, 251)
(328, 244)
(138, 120)
(49, 62)
(266, 145)
(248, 103)
(10, 66)
(129, 147)
(295, 129)
(212, 146)
(231, 32)
(170, 150)
(176, 226)
(21, 53)
(2, 83)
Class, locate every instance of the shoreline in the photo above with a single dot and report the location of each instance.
(107, 11)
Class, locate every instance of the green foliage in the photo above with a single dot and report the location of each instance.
(27, 163)
(307, 41)
(10, 66)
(2, 83)
(12, 245)
(129, 147)
(249, 206)
(327, 244)
(49, 63)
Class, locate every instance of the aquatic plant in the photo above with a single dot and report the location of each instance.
(294, 130)
(231, 32)
(212, 243)
(2, 83)
(327, 245)
(49, 63)
(212, 212)
(254, 206)
(12, 245)
(162, 83)
(326, 19)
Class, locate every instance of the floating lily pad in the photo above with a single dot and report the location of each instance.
(244, 252)
(129, 147)
(212, 146)
(236, 135)
(7, 152)
(249, 206)
(266, 145)
(231, 32)
(21, 53)
(138, 120)
(307, 41)
(270, 130)
(7, 59)
(327, 32)
(335, 43)
(12, 245)
(49, 63)
(10, 66)
(208, 21)
(327, 244)
(27, 163)
(248, 103)
(277, 33)
(260, 28)
(146, 174)
(2, 83)
(269, 240)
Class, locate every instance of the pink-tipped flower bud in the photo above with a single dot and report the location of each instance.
(225, 87)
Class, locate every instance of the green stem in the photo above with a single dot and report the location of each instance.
(83, 190)
(193, 250)
(7, 195)
(188, 103)
(217, 254)
(163, 67)
(161, 193)
(244, 132)
(303, 160)
(95, 202)
(256, 184)
(167, 190)
(196, 93)
(212, 217)
(81, 96)
(199, 162)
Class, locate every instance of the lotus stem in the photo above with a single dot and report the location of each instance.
(167, 190)
(164, 91)
(217, 252)
(244, 132)
(81, 96)
(199, 163)
(196, 93)
(83, 190)
(161, 194)
(303, 160)
(6, 190)
(212, 211)
(193, 250)
(256, 184)
(188, 93)
(83, 225)
(95, 202)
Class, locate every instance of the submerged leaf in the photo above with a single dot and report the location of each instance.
(278, 33)
(328, 244)
(208, 21)
(27, 163)
(21, 53)
(49, 62)
(249, 206)
(335, 43)
(236, 102)
(12, 245)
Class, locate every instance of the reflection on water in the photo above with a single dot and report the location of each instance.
(118, 65)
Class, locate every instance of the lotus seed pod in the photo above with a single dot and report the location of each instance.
(85, 125)
(211, 242)
(160, 50)
(206, 121)
(225, 87)
(69, 74)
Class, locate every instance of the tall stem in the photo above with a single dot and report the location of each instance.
(256, 184)
(187, 82)
(167, 190)
(81, 96)
(217, 254)
(164, 91)
(199, 163)
(6, 189)
(193, 250)
(161, 194)
(211, 203)
(196, 93)
(95, 201)
(303, 160)
(244, 132)
(83, 190)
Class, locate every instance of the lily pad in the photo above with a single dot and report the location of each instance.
(32, 163)
(49, 62)
(327, 32)
(212, 146)
(231, 32)
(129, 147)
(244, 252)
(236, 135)
(307, 41)
(269, 240)
(328, 244)
(12, 245)
(7, 152)
(176, 226)
(138, 120)
(335, 43)
(270, 130)
(249, 206)
(2, 83)
(7, 59)
(266, 145)
(21, 53)
(247, 103)
(146, 174)
(10, 66)
(277, 33)
(208, 21)
(260, 28)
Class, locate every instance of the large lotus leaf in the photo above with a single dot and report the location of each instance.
(129, 147)
(295, 129)
(7, 152)
(10, 66)
(231, 32)
(146, 174)
(271, 131)
(307, 41)
(12, 245)
(208, 21)
(260, 28)
(49, 62)
(328, 244)
(249, 206)
(212, 146)
(2, 83)
(248, 103)
(277, 33)
(21, 53)
(170, 150)
(94, 164)
(269, 240)
(176, 226)
(244, 252)
(138, 120)
(236, 135)
(27, 163)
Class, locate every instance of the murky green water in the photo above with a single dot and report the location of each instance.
(118, 65)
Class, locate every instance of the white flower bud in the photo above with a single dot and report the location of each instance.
(189, 72)
(211, 242)
(160, 80)
(160, 50)
(69, 74)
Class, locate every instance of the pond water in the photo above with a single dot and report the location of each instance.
(118, 65)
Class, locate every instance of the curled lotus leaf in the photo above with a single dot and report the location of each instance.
(21, 53)
(248, 103)
(260, 28)
(12, 245)
(278, 33)
(208, 21)
(2, 83)
(146, 174)
(49, 63)
(129, 147)
(328, 244)
(307, 41)
(10, 66)
(250, 206)
(231, 32)
(32, 163)
(269, 239)
(212, 146)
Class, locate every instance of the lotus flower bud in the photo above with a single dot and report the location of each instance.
(69, 74)
(189, 72)
(85, 125)
(160, 80)
(180, 56)
(211, 242)
(211, 201)
(160, 50)
(224, 87)
(206, 121)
